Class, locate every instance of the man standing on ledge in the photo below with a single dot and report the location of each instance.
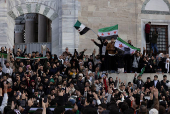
(112, 51)
(154, 41)
(147, 31)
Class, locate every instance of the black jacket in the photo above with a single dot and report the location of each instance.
(147, 85)
(158, 85)
(164, 85)
(137, 82)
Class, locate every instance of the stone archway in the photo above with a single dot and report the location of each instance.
(51, 9)
(156, 7)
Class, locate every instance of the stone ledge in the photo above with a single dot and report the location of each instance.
(128, 77)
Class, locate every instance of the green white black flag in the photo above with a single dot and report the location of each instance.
(82, 29)
(108, 32)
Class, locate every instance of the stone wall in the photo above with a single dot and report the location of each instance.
(3, 24)
(126, 13)
(128, 77)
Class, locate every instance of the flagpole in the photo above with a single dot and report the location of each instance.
(94, 32)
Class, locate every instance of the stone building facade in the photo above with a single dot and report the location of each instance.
(130, 15)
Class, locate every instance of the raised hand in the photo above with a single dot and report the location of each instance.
(23, 95)
(95, 96)
(61, 93)
(5, 88)
(30, 102)
(155, 92)
(92, 40)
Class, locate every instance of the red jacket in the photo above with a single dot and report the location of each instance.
(147, 28)
(105, 84)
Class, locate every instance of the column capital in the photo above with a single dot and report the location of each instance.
(19, 28)
(30, 17)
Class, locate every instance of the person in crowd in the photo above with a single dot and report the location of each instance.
(156, 83)
(112, 51)
(164, 82)
(128, 59)
(139, 82)
(136, 59)
(147, 31)
(154, 40)
(148, 83)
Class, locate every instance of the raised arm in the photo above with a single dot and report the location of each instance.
(5, 99)
(97, 44)
(156, 102)
(134, 80)
(14, 50)
(116, 81)
(8, 56)
(2, 61)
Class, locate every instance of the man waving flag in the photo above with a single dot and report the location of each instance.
(124, 46)
(82, 29)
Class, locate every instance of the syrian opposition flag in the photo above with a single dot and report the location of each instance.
(108, 32)
(142, 71)
(126, 47)
(82, 29)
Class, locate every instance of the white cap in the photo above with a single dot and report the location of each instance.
(81, 74)
(153, 111)
(89, 72)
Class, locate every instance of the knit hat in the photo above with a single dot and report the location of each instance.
(153, 111)
(52, 80)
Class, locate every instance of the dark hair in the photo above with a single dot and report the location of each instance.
(89, 110)
(103, 105)
(164, 75)
(11, 112)
(59, 110)
(149, 22)
(69, 112)
(124, 107)
(143, 109)
(38, 111)
(161, 110)
(7, 109)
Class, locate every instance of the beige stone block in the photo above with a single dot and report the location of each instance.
(112, 14)
(83, 20)
(84, 8)
(94, 19)
(86, 13)
(123, 36)
(91, 8)
(99, 14)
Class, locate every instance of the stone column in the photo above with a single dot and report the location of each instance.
(42, 28)
(30, 28)
(19, 36)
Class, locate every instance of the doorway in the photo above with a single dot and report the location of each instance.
(162, 41)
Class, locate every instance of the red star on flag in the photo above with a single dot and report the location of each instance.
(108, 33)
(120, 45)
(133, 52)
(102, 34)
(114, 32)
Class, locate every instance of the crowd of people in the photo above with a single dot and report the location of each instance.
(112, 59)
(81, 82)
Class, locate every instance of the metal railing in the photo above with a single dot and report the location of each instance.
(32, 46)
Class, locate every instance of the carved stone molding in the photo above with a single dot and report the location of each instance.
(30, 17)
(19, 28)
